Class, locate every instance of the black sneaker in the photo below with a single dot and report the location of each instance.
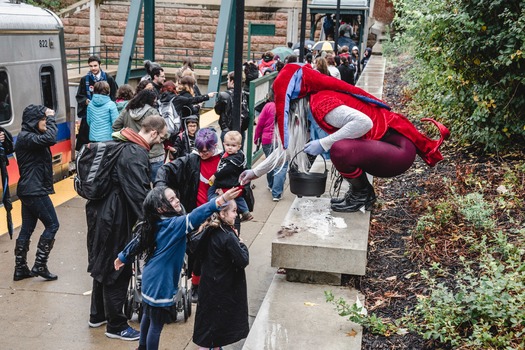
(127, 334)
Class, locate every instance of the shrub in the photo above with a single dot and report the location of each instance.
(468, 66)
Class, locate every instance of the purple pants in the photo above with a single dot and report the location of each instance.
(392, 155)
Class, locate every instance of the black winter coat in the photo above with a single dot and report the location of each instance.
(185, 99)
(229, 170)
(222, 311)
(111, 219)
(183, 176)
(7, 145)
(33, 153)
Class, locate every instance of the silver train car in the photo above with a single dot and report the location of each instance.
(33, 70)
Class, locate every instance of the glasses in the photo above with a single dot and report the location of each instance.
(207, 151)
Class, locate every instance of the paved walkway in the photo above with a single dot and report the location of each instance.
(53, 315)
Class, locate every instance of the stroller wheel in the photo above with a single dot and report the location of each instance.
(185, 307)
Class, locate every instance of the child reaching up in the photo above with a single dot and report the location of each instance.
(163, 239)
(231, 165)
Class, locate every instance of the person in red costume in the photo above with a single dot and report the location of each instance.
(364, 135)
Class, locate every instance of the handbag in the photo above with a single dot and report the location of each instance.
(248, 196)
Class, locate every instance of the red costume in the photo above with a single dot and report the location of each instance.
(387, 149)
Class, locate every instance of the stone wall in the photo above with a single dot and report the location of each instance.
(176, 27)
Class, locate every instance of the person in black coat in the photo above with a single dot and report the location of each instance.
(222, 311)
(109, 225)
(187, 96)
(39, 133)
(85, 94)
(189, 177)
(347, 71)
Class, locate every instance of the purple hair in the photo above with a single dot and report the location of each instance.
(206, 138)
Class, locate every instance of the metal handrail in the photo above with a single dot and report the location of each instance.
(166, 56)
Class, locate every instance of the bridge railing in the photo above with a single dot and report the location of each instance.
(165, 56)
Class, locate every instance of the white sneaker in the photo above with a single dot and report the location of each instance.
(276, 199)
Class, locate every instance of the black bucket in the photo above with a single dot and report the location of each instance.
(307, 184)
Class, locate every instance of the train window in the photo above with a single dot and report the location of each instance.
(5, 99)
(47, 81)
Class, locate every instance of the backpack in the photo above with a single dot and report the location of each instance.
(95, 162)
(170, 115)
(245, 114)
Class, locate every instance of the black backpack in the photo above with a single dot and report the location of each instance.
(94, 162)
(245, 114)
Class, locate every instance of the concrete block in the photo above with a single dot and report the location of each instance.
(297, 316)
(314, 238)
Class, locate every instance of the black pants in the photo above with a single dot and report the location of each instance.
(107, 303)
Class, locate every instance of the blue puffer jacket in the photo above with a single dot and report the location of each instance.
(101, 113)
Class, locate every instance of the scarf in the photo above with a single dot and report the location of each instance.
(91, 79)
(128, 134)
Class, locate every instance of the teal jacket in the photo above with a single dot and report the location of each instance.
(101, 113)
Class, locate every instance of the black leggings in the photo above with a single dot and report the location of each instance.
(392, 155)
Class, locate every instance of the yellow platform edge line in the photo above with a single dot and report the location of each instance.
(65, 191)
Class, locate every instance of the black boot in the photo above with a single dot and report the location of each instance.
(361, 195)
(194, 293)
(42, 254)
(21, 269)
(342, 199)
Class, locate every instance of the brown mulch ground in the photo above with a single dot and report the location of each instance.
(395, 257)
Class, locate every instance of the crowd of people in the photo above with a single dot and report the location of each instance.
(176, 179)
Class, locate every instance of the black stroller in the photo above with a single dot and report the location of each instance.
(133, 303)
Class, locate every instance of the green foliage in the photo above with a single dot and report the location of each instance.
(53, 5)
(485, 309)
(356, 314)
(468, 66)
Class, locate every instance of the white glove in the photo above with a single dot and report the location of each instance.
(246, 176)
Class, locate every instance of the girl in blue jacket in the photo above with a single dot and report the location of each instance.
(163, 239)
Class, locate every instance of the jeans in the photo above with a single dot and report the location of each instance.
(276, 177)
(33, 209)
(154, 168)
(151, 326)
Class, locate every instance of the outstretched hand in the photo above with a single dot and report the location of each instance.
(232, 193)
(314, 148)
(246, 176)
(118, 264)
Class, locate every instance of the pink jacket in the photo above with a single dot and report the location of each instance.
(265, 124)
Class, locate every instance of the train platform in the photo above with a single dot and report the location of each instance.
(53, 315)
(39, 314)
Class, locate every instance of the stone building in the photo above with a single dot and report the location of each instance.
(188, 24)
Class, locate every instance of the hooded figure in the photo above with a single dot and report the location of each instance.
(364, 135)
(39, 133)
